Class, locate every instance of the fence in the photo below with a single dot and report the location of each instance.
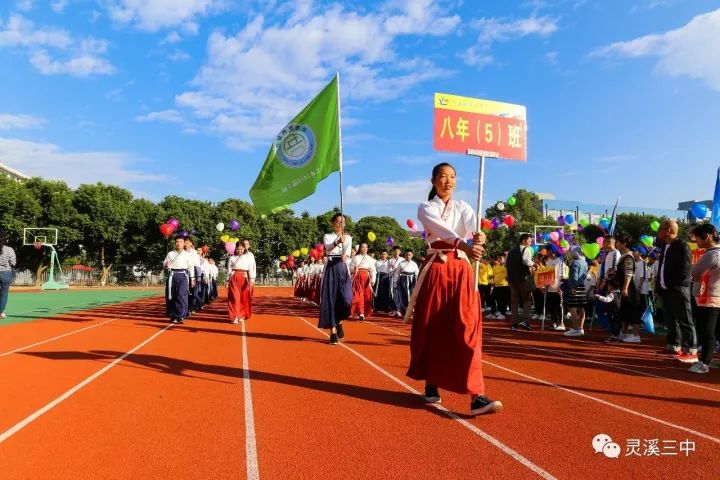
(128, 275)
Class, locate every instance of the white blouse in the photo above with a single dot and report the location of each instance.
(382, 266)
(454, 221)
(243, 262)
(364, 262)
(180, 261)
(407, 266)
(332, 249)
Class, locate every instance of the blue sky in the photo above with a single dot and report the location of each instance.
(184, 96)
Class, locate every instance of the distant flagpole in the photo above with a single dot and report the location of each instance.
(337, 75)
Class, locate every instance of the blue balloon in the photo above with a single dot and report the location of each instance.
(699, 210)
(569, 219)
(604, 224)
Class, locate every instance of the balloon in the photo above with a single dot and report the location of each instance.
(501, 206)
(390, 241)
(699, 210)
(485, 224)
(283, 258)
(410, 224)
(230, 247)
(283, 266)
(296, 253)
(290, 264)
(584, 223)
(166, 229)
(319, 247)
(225, 238)
(509, 220)
(304, 250)
(290, 258)
(569, 219)
(193, 231)
(234, 225)
(554, 236)
(173, 222)
(564, 244)
(590, 250)
(313, 253)
(184, 233)
(655, 226)
(604, 223)
(424, 236)
(220, 227)
(371, 236)
(569, 237)
(494, 223)
(561, 220)
(512, 201)
(562, 251)
(600, 241)
(647, 240)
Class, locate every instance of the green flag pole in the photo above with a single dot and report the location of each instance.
(342, 211)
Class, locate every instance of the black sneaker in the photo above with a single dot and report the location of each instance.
(334, 340)
(340, 331)
(179, 320)
(524, 326)
(431, 394)
(481, 405)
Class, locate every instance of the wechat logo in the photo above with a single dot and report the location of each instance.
(602, 443)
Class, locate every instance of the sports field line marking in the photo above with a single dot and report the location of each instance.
(253, 469)
(590, 397)
(485, 436)
(55, 338)
(616, 367)
(35, 415)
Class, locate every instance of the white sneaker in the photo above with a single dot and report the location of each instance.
(631, 339)
(235, 320)
(489, 316)
(699, 367)
(575, 332)
(2, 315)
(499, 316)
(559, 328)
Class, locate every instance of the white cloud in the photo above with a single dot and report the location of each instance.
(53, 51)
(692, 50)
(171, 38)
(179, 56)
(154, 15)
(256, 79)
(49, 161)
(9, 121)
(492, 30)
(24, 5)
(169, 116)
(59, 5)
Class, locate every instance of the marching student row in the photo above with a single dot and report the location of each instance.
(378, 285)
(192, 280)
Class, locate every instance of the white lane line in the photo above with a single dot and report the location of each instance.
(590, 397)
(33, 416)
(253, 469)
(56, 338)
(485, 436)
(616, 367)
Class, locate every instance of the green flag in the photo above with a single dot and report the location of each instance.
(304, 153)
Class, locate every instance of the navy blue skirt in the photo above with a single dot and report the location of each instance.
(335, 294)
(176, 294)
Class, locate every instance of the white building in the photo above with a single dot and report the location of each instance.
(12, 173)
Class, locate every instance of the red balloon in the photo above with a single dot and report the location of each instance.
(166, 229)
(283, 266)
(509, 220)
(410, 223)
(205, 249)
(290, 258)
(319, 247)
(313, 253)
(485, 224)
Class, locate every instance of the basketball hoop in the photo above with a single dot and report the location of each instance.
(38, 245)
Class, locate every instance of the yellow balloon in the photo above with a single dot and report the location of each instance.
(283, 258)
(371, 236)
(296, 253)
(304, 250)
(234, 239)
(225, 238)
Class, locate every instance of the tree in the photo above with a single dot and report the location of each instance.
(527, 213)
(383, 227)
(104, 211)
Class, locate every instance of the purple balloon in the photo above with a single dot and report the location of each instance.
(494, 223)
(569, 237)
(184, 233)
(561, 220)
(390, 241)
(234, 225)
(424, 237)
(174, 222)
(192, 232)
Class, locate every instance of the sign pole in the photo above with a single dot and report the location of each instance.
(483, 154)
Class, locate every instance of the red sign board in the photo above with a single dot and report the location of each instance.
(463, 124)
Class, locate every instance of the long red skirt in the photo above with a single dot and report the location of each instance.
(446, 340)
(239, 296)
(362, 294)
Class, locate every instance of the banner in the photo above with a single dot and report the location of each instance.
(304, 153)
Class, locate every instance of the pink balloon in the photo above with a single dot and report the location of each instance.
(600, 241)
(230, 247)
(554, 236)
(173, 222)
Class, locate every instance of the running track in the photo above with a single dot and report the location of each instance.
(116, 393)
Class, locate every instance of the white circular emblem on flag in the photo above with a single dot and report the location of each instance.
(295, 145)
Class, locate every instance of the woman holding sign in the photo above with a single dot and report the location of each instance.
(446, 340)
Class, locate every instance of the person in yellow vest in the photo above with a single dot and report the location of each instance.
(501, 289)
(484, 285)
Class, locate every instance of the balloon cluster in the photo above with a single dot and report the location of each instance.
(507, 221)
(288, 261)
(568, 219)
(171, 226)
